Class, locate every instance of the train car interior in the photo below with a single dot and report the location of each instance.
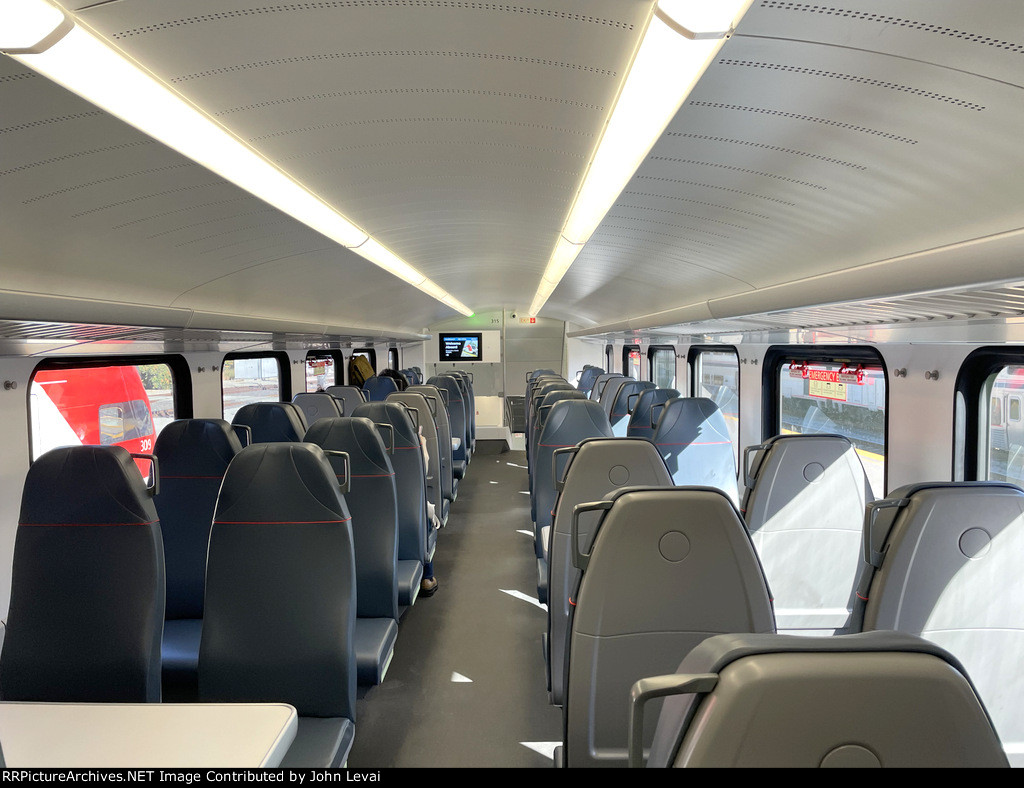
(517, 383)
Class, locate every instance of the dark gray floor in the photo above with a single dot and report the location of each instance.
(419, 716)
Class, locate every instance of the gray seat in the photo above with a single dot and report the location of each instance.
(644, 411)
(804, 506)
(693, 437)
(669, 567)
(272, 422)
(611, 391)
(194, 454)
(87, 585)
(414, 545)
(619, 414)
(598, 468)
(569, 422)
(372, 502)
(944, 561)
(601, 382)
(280, 597)
(762, 701)
(424, 406)
(317, 405)
(349, 397)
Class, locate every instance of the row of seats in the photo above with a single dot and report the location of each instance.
(606, 632)
(292, 594)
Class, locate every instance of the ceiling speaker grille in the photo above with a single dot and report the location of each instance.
(739, 169)
(878, 83)
(715, 186)
(885, 19)
(111, 179)
(764, 146)
(808, 118)
(48, 121)
(444, 5)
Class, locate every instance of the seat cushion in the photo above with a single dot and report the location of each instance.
(374, 644)
(409, 574)
(320, 743)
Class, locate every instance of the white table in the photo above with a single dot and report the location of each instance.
(132, 735)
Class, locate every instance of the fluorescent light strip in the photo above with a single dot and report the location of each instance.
(666, 68)
(87, 65)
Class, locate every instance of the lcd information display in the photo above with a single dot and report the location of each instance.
(460, 347)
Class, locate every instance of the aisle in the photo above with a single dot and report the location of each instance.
(420, 716)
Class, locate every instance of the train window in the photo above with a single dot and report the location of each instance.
(1014, 408)
(393, 362)
(322, 369)
(715, 374)
(252, 377)
(631, 361)
(1005, 456)
(661, 366)
(102, 403)
(844, 396)
(988, 432)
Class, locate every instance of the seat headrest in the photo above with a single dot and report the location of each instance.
(280, 483)
(397, 415)
(571, 420)
(272, 422)
(196, 447)
(99, 485)
(317, 405)
(686, 418)
(357, 436)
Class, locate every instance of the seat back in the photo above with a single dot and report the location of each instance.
(946, 566)
(280, 585)
(804, 506)
(611, 391)
(595, 471)
(427, 426)
(272, 422)
(458, 422)
(542, 388)
(410, 474)
(645, 412)
(350, 397)
(465, 380)
(372, 502)
(626, 394)
(600, 382)
(194, 455)
(547, 402)
(850, 701)
(588, 377)
(378, 387)
(693, 437)
(317, 405)
(669, 566)
(444, 439)
(569, 422)
(87, 592)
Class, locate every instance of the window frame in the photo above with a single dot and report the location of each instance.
(626, 350)
(335, 355)
(394, 358)
(181, 380)
(693, 383)
(652, 350)
(771, 396)
(283, 372)
(974, 380)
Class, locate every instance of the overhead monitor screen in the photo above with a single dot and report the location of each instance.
(460, 347)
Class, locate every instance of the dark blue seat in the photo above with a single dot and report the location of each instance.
(693, 437)
(373, 505)
(618, 415)
(272, 422)
(414, 531)
(194, 454)
(645, 411)
(569, 422)
(588, 377)
(87, 590)
(378, 387)
(280, 611)
(442, 424)
(457, 421)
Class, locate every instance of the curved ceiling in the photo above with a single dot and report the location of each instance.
(823, 139)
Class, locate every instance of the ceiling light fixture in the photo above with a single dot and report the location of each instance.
(682, 38)
(46, 39)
